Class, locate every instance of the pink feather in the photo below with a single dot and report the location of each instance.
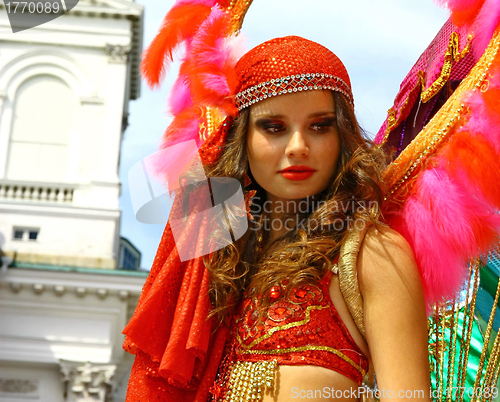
(485, 25)
(442, 272)
(449, 217)
(170, 170)
(236, 47)
(217, 84)
(215, 56)
(208, 3)
(209, 67)
(180, 96)
(464, 221)
(482, 121)
(457, 5)
(184, 127)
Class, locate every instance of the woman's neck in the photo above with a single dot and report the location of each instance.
(284, 215)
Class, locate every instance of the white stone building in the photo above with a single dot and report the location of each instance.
(65, 87)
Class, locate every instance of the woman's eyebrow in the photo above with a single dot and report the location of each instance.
(323, 113)
(265, 115)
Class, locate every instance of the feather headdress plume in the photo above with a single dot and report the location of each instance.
(180, 25)
(207, 78)
(177, 347)
(447, 201)
(480, 17)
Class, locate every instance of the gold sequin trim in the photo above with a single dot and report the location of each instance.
(401, 174)
(453, 54)
(280, 328)
(392, 121)
(211, 121)
(238, 10)
(348, 274)
(249, 380)
(306, 348)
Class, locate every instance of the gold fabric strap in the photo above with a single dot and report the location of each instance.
(348, 274)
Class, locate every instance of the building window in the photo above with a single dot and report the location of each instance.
(45, 111)
(25, 234)
(18, 234)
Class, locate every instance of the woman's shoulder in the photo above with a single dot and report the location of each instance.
(385, 258)
(382, 238)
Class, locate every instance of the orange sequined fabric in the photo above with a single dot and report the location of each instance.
(301, 329)
(287, 65)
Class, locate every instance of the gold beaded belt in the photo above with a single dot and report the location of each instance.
(249, 380)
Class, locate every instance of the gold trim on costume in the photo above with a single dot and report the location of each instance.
(452, 54)
(401, 174)
(306, 348)
(248, 380)
(392, 120)
(238, 10)
(280, 328)
(348, 275)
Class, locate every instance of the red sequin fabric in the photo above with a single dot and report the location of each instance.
(301, 329)
(286, 65)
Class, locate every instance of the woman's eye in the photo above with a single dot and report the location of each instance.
(271, 128)
(323, 126)
(274, 128)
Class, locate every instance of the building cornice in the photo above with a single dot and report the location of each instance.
(75, 281)
(115, 9)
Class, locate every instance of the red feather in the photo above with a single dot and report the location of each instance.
(463, 12)
(210, 67)
(180, 24)
(492, 102)
(184, 127)
(478, 161)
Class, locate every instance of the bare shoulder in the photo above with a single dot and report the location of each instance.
(386, 260)
(394, 312)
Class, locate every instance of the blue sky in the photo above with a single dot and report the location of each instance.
(378, 41)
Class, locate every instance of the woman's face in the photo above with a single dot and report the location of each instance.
(293, 144)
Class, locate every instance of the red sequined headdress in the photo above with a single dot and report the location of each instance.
(287, 65)
(177, 348)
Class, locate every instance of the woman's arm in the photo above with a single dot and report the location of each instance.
(394, 316)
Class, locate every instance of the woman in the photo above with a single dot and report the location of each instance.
(315, 181)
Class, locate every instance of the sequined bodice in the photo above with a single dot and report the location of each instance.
(301, 329)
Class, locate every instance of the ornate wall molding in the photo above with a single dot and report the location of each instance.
(87, 381)
(118, 53)
(10, 387)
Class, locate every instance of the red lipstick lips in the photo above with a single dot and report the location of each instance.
(297, 173)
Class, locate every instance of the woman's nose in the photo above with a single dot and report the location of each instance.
(297, 146)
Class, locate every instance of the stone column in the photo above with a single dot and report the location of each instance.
(87, 382)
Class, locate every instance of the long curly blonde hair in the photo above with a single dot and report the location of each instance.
(303, 254)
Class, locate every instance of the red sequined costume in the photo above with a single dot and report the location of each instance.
(177, 348)
(301, 329)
